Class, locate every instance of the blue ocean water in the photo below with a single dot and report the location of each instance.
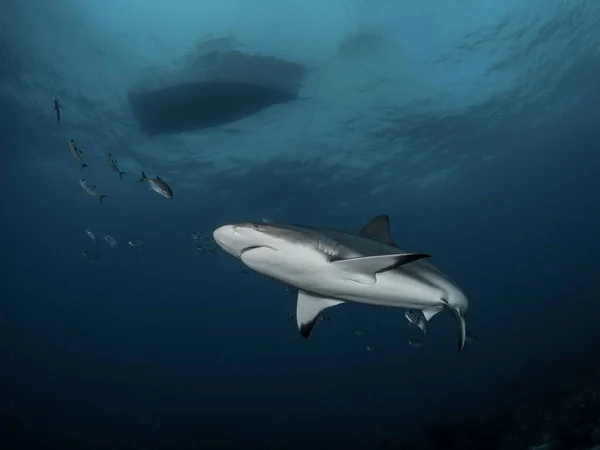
(473, 125)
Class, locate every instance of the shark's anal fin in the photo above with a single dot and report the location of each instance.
(363, 269)
(308, 309)
(379, 229)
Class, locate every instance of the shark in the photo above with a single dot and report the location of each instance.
(329, 267)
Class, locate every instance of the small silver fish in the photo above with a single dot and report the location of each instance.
(416, 343)
(157, 185)
(359, 333)
(203, 248)
(471, 337)
(111, 241)
(90, 256)
(112, 163)
(417, 318)
(91, 189)
(135, 243)
(57, 107)
(77, 154)
(91, 235)
(198, 236)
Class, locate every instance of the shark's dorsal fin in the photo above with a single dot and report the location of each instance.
(379, 229)
(308, 309)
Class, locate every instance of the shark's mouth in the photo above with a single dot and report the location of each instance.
(255, 247)
(247, 249)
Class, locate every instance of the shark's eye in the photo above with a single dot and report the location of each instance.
(255, 227)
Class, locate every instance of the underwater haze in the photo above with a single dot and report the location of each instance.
(474, 125)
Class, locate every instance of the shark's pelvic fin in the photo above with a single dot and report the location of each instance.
(430, 312)
(379, 229)
(363, 269)
(308, 308)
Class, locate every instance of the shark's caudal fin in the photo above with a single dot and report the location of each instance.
(379, 229)
(144, 177)
(121, 175)
(363, 269)
(101, 198)
(308, 308)
(462, 325)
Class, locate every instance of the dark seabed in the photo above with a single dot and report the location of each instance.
(474, 125)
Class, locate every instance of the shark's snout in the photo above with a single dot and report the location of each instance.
(234, 239)
(221, 233)
(225, 237)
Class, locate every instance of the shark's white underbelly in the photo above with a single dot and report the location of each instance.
(390, 289)
(313, 273)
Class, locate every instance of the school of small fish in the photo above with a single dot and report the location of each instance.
(204, 242)
(156, 184)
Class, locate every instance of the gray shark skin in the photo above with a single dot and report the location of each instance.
(330, 267)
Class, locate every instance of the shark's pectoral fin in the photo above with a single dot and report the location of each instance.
(379, 229)
(363, 269)
(308, 309)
